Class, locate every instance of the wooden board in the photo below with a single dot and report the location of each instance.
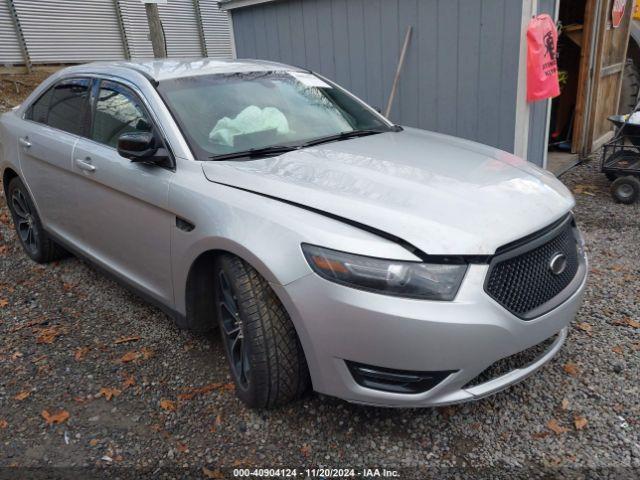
(600, 75)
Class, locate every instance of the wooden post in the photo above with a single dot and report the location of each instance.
(156, 31)
(407, 37)
(19, 35)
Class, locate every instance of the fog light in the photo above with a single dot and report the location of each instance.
(396, 381)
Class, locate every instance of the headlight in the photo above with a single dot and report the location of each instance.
(429, 281)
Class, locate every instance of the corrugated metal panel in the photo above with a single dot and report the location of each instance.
(180, 28)
(136, 28)
(217, 29)
(461, 72)
(70, 30)
(10, 53)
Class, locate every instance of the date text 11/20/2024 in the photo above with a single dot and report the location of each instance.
(313, 473)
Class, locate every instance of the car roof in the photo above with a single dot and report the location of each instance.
(164, 69)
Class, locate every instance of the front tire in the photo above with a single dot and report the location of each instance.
(34, 239)
(261, 344)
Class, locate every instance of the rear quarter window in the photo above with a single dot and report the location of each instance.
(64, 106)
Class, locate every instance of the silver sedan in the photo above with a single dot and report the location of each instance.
(379, 264)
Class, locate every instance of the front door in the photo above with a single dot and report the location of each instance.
(124, 204)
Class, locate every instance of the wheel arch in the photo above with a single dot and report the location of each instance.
(7, 175)
(194, 296)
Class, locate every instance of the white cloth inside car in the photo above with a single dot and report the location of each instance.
(252, 119)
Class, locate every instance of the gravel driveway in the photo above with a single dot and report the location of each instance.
(90, 375)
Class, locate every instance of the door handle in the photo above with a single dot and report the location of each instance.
(24, 142)
(85, 165)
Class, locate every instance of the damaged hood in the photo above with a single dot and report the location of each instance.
(444, 195)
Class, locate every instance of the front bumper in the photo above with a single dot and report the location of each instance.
(337, 323)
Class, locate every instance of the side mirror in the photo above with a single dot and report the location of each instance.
(138, 146)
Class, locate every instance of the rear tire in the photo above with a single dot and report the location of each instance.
(262, 347)
(34, 239)
(626, 189)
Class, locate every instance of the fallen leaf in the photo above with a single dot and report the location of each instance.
(632, 323)
(571, 369)
(3, 249)
(16, 355)
(554, 426)
(580, 422)
(93, 442)
(126, 340)
(216, 424)
(81, 352)
(48, 335)
(130, 357)
(182, 448)
(618, 349)
(129, 381)
(539, 435)
(22, 395)
(584, 189)
(3, 424)
(212, 473)
(306, 450)
(168, 405)
(565, 404)
(53, 418)
(4, 302)
(109, 393)
(585, 327)
(147, 353)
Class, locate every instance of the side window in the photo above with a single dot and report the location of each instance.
(117, 111)
(68, 105)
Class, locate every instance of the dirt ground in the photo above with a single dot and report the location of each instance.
(91, 377)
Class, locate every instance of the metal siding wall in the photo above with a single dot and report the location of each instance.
(70, 30)
(217, 29)
(460, 74)
(538, 114)
(10, 52)
(181, 29)
(136, 28)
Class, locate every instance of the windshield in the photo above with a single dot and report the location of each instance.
(230, 113)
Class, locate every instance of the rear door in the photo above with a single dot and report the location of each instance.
(46, 138)
(123, 206)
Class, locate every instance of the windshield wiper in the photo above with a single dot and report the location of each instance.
(256, 152)
(343, 136)
(279, 149)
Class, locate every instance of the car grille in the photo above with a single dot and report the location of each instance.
(508, 364)
(524, 282)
